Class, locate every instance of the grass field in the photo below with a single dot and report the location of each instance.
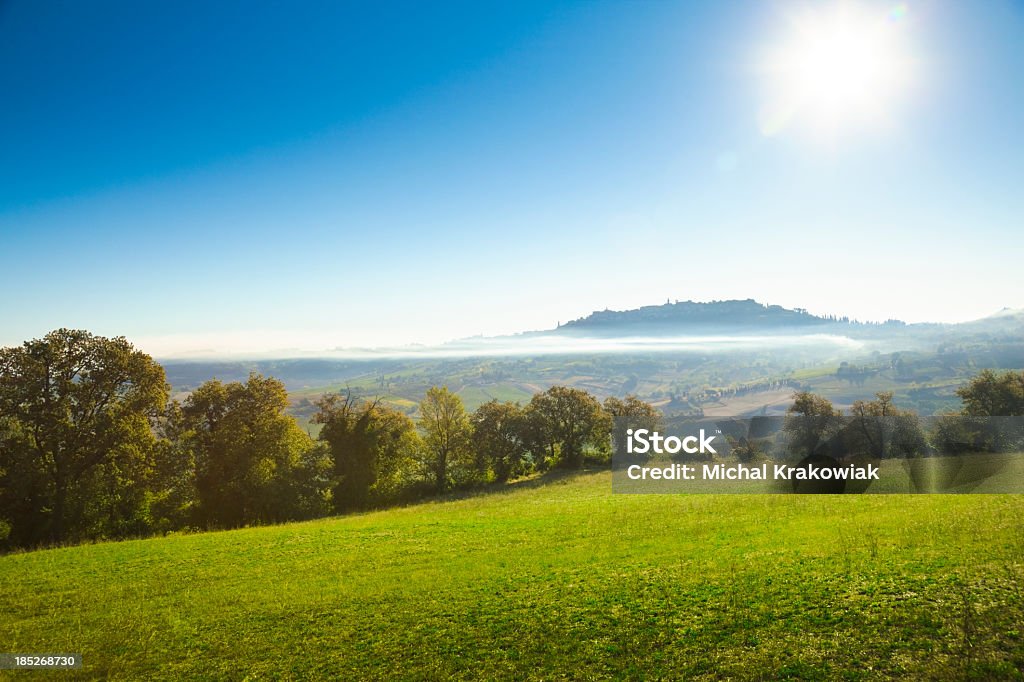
(554, 579)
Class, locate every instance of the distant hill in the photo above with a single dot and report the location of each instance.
(688, 317)
(759, 355)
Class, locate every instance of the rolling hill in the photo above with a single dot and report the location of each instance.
(736, 357)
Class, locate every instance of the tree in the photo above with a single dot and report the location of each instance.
(175, 502)
(568, 421)
(447, 430)
(253, 463)
(75, 427)
(306, 489)
(538, 437)
(629, 413)
(498, 439)
(370, 445)
(993, 404)
(880, 429)
(994, 395)
(810, 421)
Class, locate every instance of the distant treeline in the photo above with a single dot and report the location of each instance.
(92, 447)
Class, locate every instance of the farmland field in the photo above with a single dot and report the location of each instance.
(550, 578)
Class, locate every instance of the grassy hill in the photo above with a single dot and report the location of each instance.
(549, 579)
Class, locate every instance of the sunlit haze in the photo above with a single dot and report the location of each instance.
(843, 65)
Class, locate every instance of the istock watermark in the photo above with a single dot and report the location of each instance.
(832, 454)
(643, 441)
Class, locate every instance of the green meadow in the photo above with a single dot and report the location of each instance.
(553, 578)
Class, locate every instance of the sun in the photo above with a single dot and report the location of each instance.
(841, 67)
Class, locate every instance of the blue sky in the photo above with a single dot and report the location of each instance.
(231, 177)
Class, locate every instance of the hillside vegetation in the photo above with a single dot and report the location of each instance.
(548, 579)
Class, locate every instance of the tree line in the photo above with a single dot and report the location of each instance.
(92, 446)
(878, 428)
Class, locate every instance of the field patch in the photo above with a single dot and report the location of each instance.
(547, 579)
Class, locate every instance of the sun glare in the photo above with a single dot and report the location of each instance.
(841, 67)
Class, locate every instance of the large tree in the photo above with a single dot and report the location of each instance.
(994, 395)
(629, 413)
(498, 439)
(880, 429)
(810, 421)
(447, 437)
(568, 421)
(252, 461)
(993, 405)
(371, 446)
(76, 437)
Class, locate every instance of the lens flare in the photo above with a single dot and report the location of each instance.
(840, 68)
